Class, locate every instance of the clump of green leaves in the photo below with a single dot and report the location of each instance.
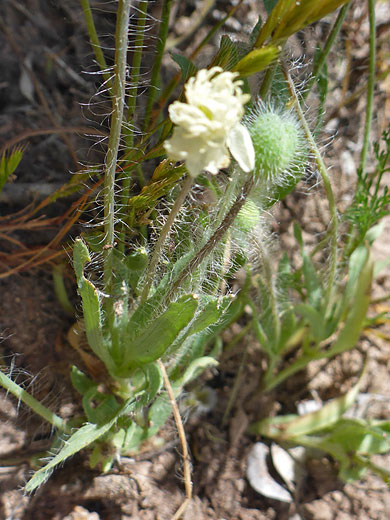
(371, 200)
(308, 313)
(350, 441)
(294, 313)
(8, 164)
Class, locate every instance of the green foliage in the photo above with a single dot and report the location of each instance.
(187, 68)
(79, 440)
(351, 442)
(299, 314)
(292, 426)
(8, 164)
(256, 61)
(285, 322)
(91, 304)
(372, 200)
(159, 334)
(269, 5)
(228, 54)
(248, 216)
(288, 17)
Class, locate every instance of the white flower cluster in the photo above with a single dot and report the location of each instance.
(209, 123)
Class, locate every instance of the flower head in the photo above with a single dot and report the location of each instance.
(208, 124)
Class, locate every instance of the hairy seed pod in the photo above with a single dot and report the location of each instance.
(276, 138)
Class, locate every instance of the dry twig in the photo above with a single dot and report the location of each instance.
(183, 442)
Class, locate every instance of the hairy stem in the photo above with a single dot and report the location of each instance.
(328, 190)
(214, 240)
(30, 401)
(371, 85)
(132, 101)
(137, 56)
(187, 185)
(118, 101)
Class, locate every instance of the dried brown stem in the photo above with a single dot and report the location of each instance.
(183, 442)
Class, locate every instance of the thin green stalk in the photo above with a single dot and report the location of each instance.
(214, 240)
(94, 39)
(267, 81)
(328, 190)
(371, 85)
(136, 65)
(132, 101)
(327, 48)
(31, 402)
(60, 289)
(118, 101)
(187, 185)
(160, 46)
(225, 200)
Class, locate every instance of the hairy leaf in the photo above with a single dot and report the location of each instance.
(159, 334)
(91, 304)
(82, 438)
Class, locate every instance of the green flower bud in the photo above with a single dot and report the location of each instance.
(276, 138)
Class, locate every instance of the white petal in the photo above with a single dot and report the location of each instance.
(240, 145)
(215, 105)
